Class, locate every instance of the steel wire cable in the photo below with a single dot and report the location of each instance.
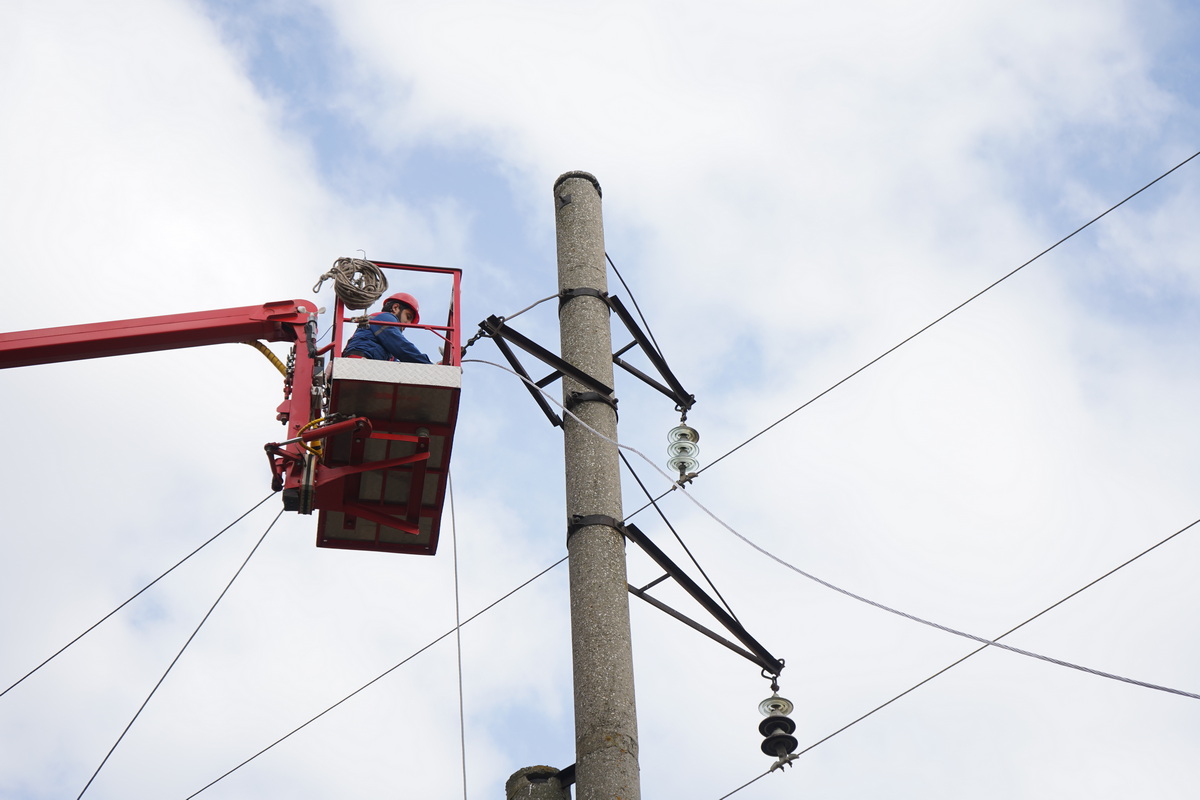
(958, 307)
(744, 785)
(482, 333)
(356, 281)
(134, 596)
(178, 655)
(532, 305)
(977, 650)
(636, 307)
(377, 678)
(462, 717)
(945, 628)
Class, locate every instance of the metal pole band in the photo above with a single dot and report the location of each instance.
(576, 398)
(567, 295)
(587, 520)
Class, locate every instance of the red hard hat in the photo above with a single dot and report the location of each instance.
(408, 300)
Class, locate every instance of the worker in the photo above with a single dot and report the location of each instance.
(388, 342)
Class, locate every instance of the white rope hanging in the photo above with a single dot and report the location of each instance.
(356, 281)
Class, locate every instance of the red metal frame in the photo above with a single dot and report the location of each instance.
(450, 332)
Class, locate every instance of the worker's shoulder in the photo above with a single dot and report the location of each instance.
(384, 316)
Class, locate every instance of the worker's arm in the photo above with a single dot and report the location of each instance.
(395, 342)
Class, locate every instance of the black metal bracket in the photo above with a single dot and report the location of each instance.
(496, 328)
(502, 334)
(753, 651)
(507, 352)
(673, 389)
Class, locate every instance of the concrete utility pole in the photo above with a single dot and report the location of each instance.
(536, 783)
(606, 743)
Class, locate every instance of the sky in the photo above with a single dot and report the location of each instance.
(790, 191)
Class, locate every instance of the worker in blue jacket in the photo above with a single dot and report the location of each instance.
(388, 342)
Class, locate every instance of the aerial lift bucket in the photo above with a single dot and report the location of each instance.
(381, 486)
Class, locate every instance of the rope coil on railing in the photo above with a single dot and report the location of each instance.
(357, 282)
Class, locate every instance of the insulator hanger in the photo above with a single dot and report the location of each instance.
(682, 449)
(777, 727)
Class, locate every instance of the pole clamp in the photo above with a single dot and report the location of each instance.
(587, 520)
(575, 399)
(567, 295)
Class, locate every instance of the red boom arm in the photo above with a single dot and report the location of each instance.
(274, 322)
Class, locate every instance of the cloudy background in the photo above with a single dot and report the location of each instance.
(790, 188)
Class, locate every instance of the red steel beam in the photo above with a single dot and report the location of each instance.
(273, 322)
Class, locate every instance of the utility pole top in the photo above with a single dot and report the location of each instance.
(578, 173)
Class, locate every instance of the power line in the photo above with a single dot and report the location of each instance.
(848, 593)
(98, 622)
(378, 678)
(462, 717)
(939, 626)
(175, 660)
(961, 305)
(977, 650)
(633, 300)
(744, 785)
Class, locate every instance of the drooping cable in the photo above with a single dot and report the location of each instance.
(961, 305)
(133, 597)
(481, 332)
(175, 660)
(671, 527)
(378, 678)
(977, 650)
(937, 625)
(1015, 628)
(532, 305)
(462, 716)
(945, 628)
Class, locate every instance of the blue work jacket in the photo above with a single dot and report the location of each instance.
(384, 342)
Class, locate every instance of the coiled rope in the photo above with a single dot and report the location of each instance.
(357, 282)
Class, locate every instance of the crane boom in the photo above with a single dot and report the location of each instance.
(273, 322)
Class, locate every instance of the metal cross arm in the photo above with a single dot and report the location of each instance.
(676, 391)
(498, 330)
(494, 327)
(757, 653)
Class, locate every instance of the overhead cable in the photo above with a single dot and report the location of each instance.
(133, 597)
(175, 660)
(633, 300)
(977, 650)
(958, 307)
(377, 678)
(462, 716)
(679, 485)
(744, 785)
